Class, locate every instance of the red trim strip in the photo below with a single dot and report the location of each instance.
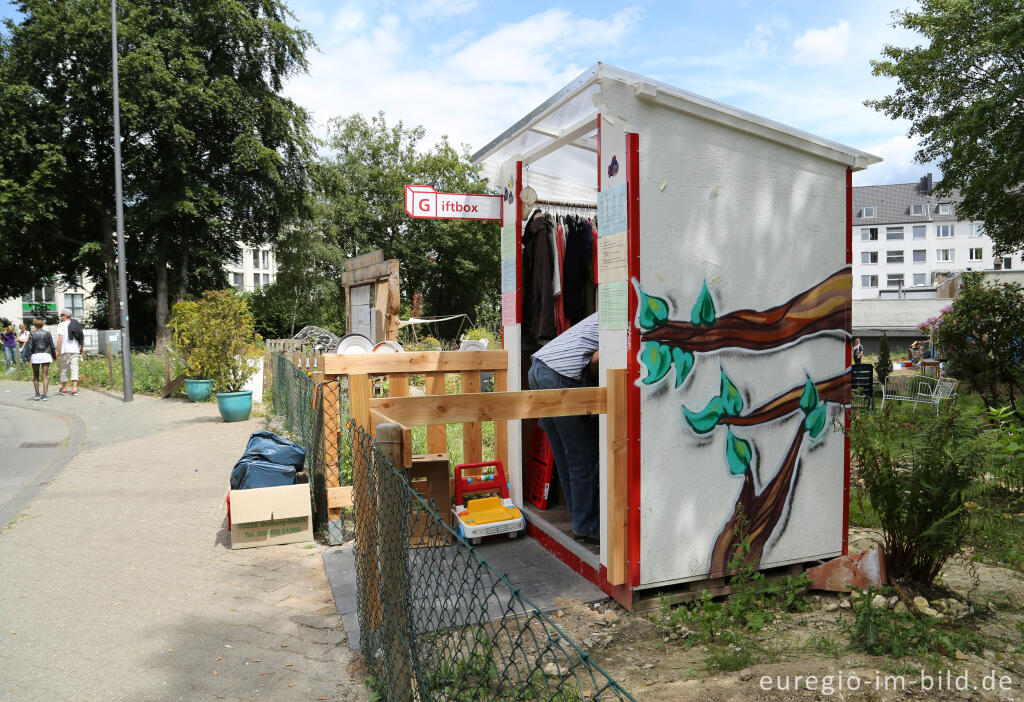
(519, 242)
(622, 593)
(599, 152)
(849, 360)
(632, 364)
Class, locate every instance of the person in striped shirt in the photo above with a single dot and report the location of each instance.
(563, 363)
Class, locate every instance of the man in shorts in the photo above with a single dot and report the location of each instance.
(70, 338)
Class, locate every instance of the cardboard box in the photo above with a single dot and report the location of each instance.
(269, 516)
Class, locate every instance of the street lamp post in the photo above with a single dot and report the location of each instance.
(122, 276)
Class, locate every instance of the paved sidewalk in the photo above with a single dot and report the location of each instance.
(119, 584)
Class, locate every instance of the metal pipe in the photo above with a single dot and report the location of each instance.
(122, 275)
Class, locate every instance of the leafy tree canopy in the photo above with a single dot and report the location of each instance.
(454, 263)
(213, 153)
(964, 94)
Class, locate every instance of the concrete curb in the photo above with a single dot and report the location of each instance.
(75, 439)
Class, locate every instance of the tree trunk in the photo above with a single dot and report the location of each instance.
(110, 265)
(183, 283)
(162, 307)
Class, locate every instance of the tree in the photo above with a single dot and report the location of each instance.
(883, 368)
(963, 94)
(454, 263)
(982, 336)
(213, 154)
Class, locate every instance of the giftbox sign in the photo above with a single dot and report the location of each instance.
(423, 202)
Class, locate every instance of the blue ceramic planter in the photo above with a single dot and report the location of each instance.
(234, 406)
(198, 390)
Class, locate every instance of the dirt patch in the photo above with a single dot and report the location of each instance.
(656, 663)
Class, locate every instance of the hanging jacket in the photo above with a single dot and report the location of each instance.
(538, 268)
(578, 246)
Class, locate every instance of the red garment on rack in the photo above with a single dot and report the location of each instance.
(561, 321)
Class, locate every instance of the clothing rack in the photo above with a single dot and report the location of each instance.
(571, 205)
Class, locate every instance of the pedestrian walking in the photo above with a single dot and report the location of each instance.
(70, 339)
(22, 337)
(40, 351)
(10, 342)
(858, 351)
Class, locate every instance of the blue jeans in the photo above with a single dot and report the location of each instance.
(573, 443)
(9, 356)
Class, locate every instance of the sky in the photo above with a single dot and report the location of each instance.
(468, 69)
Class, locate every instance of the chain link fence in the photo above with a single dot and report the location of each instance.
(437, 622)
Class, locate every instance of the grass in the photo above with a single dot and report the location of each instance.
(94, 372)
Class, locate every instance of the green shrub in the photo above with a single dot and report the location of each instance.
(215, 338)
(917, 471)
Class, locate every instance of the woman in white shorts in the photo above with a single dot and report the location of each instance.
(41, 353)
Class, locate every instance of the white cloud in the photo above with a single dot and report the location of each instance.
(899, 165)
(470, 89)
(439, 9)
(818, 46)
(762, 41)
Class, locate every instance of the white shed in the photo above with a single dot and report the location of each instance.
(723, 288)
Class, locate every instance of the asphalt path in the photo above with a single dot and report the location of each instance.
(34, 445)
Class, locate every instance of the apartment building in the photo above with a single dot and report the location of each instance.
(47, 299)
(253, 268)
(906, 238)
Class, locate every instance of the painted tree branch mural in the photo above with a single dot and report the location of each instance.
(670, 344)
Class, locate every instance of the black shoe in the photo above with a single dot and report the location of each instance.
(585, 539)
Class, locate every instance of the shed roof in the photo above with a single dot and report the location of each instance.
(569, 117)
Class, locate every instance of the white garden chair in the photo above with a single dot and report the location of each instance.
(918, 389)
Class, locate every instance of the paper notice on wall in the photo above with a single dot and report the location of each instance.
(611, 303)
(611, 258)
(508, 242)
(508, 309)
(611, 211)
(508, 275)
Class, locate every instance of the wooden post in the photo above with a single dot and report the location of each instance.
(365, 493)
(472, 435)
(110, 363)
(501, 427)
(393, 510)
(617, 477)
(330, 422)
(437, 434)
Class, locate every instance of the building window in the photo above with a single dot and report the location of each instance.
(869, 281)
(266, 279)
(920, 231)
(920, 256)
(894, 233)
(266, 260)
(945, 208)
(76, 303)
(256, 281)
(943, 230)
(39, 302)
(944, 255)
(240, 257)
(238, 282)
(974, 254)
(869, 234)
(1007, 263)
(868, 212)
(894, 256)
(255, 258)
(869, 257)
(919, 278)
(917, 210)
(894, 280)
(978, 229)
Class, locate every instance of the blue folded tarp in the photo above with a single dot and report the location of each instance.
(269, 461)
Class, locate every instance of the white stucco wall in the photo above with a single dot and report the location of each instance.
(760, 223)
